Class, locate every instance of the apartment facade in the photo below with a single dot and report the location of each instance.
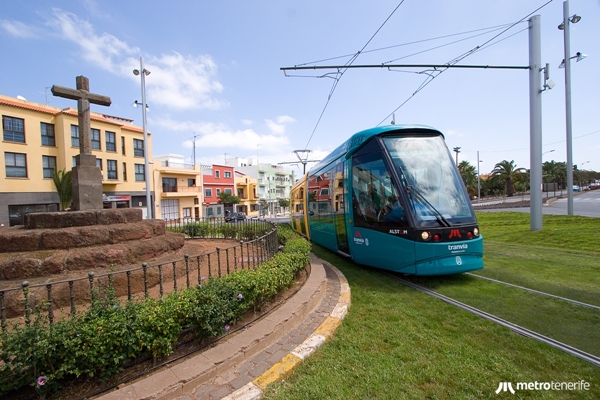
(274, 182)
(38, 139)
(178, 188)
(216, 179)
(245, 189)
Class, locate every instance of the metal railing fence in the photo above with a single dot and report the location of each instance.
(60, 298)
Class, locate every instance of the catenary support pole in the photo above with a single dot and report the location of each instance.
(535, 123)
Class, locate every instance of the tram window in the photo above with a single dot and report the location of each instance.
(375, 197)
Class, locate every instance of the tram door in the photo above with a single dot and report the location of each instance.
(339, 209)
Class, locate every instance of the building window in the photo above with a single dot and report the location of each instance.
(123, 145)
(228, 191)
(14, 129)
(74, 136)
(169, 209)
(99, 163)
(196, 200)
(95, 133)
(16, 165)
(138, 148)
(124, 172)
(48, 138)
(111, 169)
(207, 192)
(140, 175)
(191, 182)
(111, 145)
(218, 192)
(74, 161)
(226, 174)
(169, 184)
(217, 174)
(187, 212)
(49, 165)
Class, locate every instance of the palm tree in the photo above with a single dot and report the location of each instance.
(469, 177)
(554, 172)
(509, 173)
(64, 187)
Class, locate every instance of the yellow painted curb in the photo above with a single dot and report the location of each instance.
(328, 327)
(277, 371)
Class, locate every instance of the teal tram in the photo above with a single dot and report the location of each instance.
(391, 197)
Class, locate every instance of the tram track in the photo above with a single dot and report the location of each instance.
(579, 303)
(595, 360)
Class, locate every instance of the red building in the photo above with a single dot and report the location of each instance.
(217, 179)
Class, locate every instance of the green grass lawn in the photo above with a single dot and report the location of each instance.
(397, 343)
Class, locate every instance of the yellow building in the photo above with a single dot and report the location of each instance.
(245, 187)
(37, 139)
(178, 187)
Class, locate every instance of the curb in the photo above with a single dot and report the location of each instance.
(255, 389)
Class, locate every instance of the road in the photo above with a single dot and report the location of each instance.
(585, 204)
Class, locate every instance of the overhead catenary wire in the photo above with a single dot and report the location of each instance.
(341, 72)
(490, 29)
(461, 57)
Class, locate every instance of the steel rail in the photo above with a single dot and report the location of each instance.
(513, 327)
(579, 303)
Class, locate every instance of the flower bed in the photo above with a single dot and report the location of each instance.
(102, 340)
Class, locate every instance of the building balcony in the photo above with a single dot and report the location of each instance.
(180, 191)
(170, 164)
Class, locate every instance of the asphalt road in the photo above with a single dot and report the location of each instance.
(586, 204)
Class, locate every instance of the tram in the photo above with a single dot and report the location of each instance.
(391, 197)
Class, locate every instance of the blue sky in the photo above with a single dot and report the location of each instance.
(215, 71)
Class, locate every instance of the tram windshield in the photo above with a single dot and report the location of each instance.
(430, 178)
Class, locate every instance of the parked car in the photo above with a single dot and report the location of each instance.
(576, 188)
(235, 217)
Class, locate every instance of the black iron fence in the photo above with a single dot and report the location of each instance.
(57, 299)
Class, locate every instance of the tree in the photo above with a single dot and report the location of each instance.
(469, 177)
(228, 199)
(509, 173)
(554, 172)
(284, 203)
(64, 187)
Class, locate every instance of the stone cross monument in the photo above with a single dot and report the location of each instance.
(87, 178)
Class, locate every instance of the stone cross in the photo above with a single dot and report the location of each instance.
(86, 176)
(84, 98)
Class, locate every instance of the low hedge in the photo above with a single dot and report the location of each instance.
(101, 341)
(241, 231)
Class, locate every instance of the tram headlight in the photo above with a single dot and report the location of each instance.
(425, 235)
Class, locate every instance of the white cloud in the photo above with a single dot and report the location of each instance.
(19, 29)
(278, 128)
(176, 81)
(454, 133)
(105, 51)
(215, 136)
(247, 122)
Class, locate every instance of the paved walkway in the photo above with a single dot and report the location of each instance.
(242, 366)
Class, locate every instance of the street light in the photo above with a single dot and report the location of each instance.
(456, 150)
(142, 72)
(549, 151)
(565, 27)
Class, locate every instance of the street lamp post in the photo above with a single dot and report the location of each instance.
(143, 73)
(567, 61)
(456, 150)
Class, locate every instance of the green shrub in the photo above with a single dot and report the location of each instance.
(102, 340)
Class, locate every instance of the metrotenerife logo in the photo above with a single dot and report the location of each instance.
(505, 387)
